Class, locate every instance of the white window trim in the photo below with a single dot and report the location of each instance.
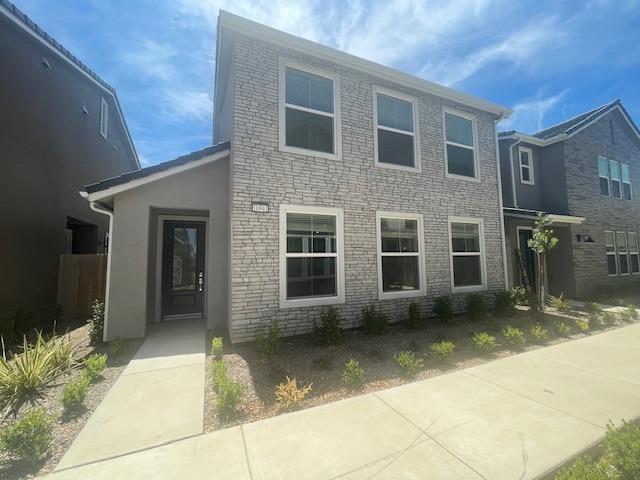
(635, 252)
(476, 160)
(483, 256)
(624, 234)
(415, 134)
(614, 253)
(611, 180)
(104, 118)
(622, 182)
(337, 133)
(382, 295)
(340, 285)
(529, 151)
(607, 177)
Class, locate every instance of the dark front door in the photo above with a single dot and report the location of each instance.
(528, 258)
(183, 268)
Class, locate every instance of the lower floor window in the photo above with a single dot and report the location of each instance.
(621, 247)
(622, 253)
(610, 246)
(467, 250)
(311, 277)
(633, 253)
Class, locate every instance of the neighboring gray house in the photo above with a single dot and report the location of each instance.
(585, 173)
(62, 127)
(333, 181)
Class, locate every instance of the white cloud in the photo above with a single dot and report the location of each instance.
(152, 59)
(183, 105)
(528, 115)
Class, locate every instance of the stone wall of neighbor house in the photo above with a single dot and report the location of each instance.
(611, 137)
(262, 173)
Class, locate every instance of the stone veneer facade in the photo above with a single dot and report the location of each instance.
(263, 173)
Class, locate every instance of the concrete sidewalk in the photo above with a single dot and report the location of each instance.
(158, 398)
(514, 418)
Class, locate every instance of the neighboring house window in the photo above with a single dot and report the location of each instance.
(460, 144)
(621, 248)
(626, 181)
(467, 254)
(311, 256)
(526, 166)
(610, 245)
(634, 261)
(603, 173)
(308, 121)
(400, 257)
(615, 178)
(395, 134)
(104, 118)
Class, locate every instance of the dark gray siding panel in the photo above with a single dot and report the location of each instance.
(553, 179)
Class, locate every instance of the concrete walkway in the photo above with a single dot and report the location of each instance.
(158, 398)
(514, 418)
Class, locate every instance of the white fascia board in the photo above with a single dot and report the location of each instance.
(570, 219)
(277, 37)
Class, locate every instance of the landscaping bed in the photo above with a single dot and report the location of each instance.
(310, 362)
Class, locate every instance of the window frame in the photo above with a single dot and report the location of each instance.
(339, 255)
(626, 253)
(611, 180)
(474, 127)
(422, 291)
(630, 253)
(614, 253)
(529, 151)
(606, 160)
(417, 164)
(282, 106)
(623, 183)
(483, 256)
(104, 118)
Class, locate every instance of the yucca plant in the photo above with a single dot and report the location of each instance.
(559, 303)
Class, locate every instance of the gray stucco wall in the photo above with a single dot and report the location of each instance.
(131, 296)
(263, 173)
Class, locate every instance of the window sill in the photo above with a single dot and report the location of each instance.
(527, 183)
(469, 289)
(391, 166)
(311, 302)
(463, 177)
(401, 294)
(309, 153)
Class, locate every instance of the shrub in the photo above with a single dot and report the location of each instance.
(96, 321)
(74, 393)
(116, 346)
(288, 394)
(374, 322)
(329, 331)
(622, 449)
(268, 341)
(484, 342)
(414, 320)
(593, 309)
(585, 468)
(216, 346)
(353, 374)
(28, 439)
(632, 311)
(218, 372)
(408, 362)
(94, 365)
(513, 336)
(583, 325)
(539, 332)
(561, 328)
(559, 303)
(505, 303)
(37, 366)
(607, 318)
(442, 350)
(628, 314)
(520, 295)
(476, 307)
(443, 309)
(229, 395)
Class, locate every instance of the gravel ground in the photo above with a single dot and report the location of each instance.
(302, 358)
(67, 427)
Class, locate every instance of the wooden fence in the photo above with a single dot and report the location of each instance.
(81, 279)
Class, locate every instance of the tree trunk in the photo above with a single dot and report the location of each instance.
(541, 280)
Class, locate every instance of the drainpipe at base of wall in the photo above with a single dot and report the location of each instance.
(99, 208)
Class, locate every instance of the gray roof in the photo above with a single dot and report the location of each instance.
(160, 167)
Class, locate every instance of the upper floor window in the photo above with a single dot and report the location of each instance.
(526, 166)
(615, 178)
(104, 118)
(603, 173)
(395, 134)
(626, 181)
(467, 254)
(308, 122)
(460, 149)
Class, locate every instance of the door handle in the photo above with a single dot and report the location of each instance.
(200, 281)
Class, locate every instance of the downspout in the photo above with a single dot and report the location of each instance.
(100, 208)
(500, 205)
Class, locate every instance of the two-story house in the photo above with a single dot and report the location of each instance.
(62, 127)
(584, 173)
(333, 180)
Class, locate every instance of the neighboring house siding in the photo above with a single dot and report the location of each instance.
(601, 212)
(528, 196)
(553, 179)
(263, 173)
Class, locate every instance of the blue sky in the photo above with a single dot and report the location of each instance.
(548, 60)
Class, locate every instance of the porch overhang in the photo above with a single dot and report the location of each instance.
(554, 218)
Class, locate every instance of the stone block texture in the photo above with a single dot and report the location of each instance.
(262, 173)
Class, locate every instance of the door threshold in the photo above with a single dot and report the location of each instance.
(183, 316)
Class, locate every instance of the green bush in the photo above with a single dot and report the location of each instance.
(561, 328)
(585, 468)
(505, 303)
(229, 396)
(268, 341)
(27, 439)
(582, 324)
(520, 295)
(374, 322)
(94, 365)
(632, 311)
(628, 315)
(513, 336)
(559, 303)
(329, 331)
(622, 450)
(216, 346)
(443, 309)
(116, 346)
(96, 321)
(74, 393)
(484, 342)
(476, 307)
(353, 374)
(593, 309)
(218, 372)
(408, 362)
(443, 350)
(414, 320)
(539, 333)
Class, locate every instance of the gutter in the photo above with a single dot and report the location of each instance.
(513, 175)
(500, 205)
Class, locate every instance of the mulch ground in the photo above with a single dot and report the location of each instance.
(307, 361)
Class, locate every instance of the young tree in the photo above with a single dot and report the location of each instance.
(541, 243)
